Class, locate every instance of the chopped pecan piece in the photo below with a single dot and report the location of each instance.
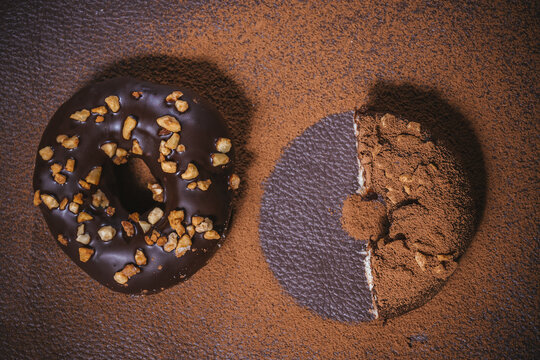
(94, 175)
(161, 241)
(56, 168)
(181, 105)
(106, 233)
(223, 145)
(145, 226)
(155, 215)
(99, 199)
(63, 203)
(83, 239)
(219, 159)
(73, 207)
(234, 181)
(46, 153)
(168, 167)
(204, 184)
(151, 240)
(80, 115)
(84, 184)
(129, 124)
(126, 273)
(163, 149)
(100, 110)
(169, 123)
(120, 278)
(157, 191)
(128, 227)
(172, 241)
(136, 148)
(172, 142)
(78, 198)
(196, 220)
(184, 244)
(134, 216)
(85, 254)
(110, 210)
(60, 179)
(211, 235)
(191, 172)
(175, 221)
(50, 201)
(61, 138)
(70, 165)
(84, 217)
(71, 142)
(190, 229)
(203, 226)
(140, 258)
(175, 95)
(113, 102)
(109, 149)
(62, 239)
(37, 199)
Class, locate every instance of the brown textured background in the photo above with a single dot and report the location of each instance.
(273, 70)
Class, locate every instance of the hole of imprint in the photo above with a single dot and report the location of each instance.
(364, 219)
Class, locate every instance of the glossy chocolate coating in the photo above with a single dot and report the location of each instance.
(201, 126)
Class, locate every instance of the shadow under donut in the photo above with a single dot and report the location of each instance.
(208, 80)
(446, 124)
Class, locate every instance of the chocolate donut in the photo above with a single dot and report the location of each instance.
(365, 216)
(186, 146)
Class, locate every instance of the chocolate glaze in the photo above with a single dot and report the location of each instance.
(201, 126)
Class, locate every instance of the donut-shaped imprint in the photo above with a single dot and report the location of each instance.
(420, 188)
(186, 146)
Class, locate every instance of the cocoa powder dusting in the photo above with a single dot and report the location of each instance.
(273, 70)
(363, 219)
(429, 205)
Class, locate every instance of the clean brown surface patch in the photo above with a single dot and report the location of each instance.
(273, 71)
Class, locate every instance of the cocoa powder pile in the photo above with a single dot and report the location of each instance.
(429, 206)
(364, 219)
(273, 70)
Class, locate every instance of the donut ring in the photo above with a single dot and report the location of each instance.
(185, 144)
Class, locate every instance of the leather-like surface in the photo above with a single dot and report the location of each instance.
(272, 70)
(300, 230)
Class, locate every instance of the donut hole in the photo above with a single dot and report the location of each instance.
(364, 218)
(131, 185)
